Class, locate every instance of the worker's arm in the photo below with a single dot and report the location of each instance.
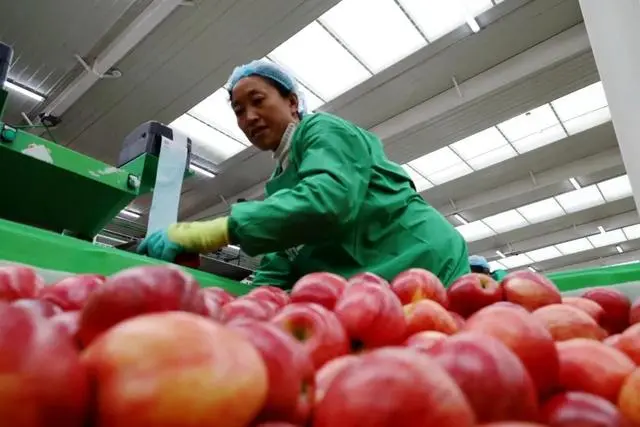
(274, 270)
(334, 173)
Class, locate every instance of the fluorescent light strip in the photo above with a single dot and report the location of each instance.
(111, 239)
(473, 24)
(575, 183)
(202, 171)
(130, 213)
(619, 249)
(234, 247)
(462, 220)
(601, 229)
(500, 254)
(23, 91)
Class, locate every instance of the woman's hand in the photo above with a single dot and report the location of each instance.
(158, 245)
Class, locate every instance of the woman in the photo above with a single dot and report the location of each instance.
(334, 202)
(479, 264)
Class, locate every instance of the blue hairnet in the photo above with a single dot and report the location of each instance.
(478, 261)
(268, 69)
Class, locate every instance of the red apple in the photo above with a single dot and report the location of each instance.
(474, 360)
(526, 336)
(616, 306)
(17, 282)
(612, 340)
(629, 397)
(175, 369)
(247, 308)
(213, 310)
(328, 372)
(319, 288)
(372, 316)
(290, 370)
(271, 294)
(458, 319)
(530, 290)
(472, 292)
(593, 367)
(220, 295)
(416, 284)
(565, 322)
(629, 343)
(37, 307)
(71, 293)
(592, 308)
(69, 323)
(393, 387)
(423, 341)
(577, 409)
(137, 291)
(428, 315)
(368, 278)
(276, 424)
(512, 424)
(318, 329)
(41, 379)
(634, 312)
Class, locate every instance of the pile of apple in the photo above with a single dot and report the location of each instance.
(147, 347)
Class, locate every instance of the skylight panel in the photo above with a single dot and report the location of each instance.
(492, 157)
(616, 188)
(529, 123)
(495, 265)
(516, 261)
(216, 111)
(632, 232)
(544, 254)
(578, 200)
(383, 34)
(574, 246)
(207, 142)
(609, 238)
(320, 62)
(419, 181)
(506, 221)
(449, 174)
(435, 161)
(539, 139)
(312, 102)
(476, 230)
(588, 120)
(580, 102)
(479, 143)
(543, 210)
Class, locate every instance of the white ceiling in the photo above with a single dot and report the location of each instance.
(504, 127)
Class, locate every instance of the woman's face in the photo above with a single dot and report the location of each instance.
(263, 113)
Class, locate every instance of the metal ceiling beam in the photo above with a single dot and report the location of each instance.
(626, 257)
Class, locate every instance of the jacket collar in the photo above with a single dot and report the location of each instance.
(281, 154)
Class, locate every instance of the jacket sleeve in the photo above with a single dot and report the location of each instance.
(334, 173)
(274, 270)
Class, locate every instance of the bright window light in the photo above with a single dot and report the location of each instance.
(516, 261)
(435, 161)
(575, 183)
(506, 221)
(129, 214)
(495, 265)
(207, 142)
(574, 246)
(616, 188)
(632, 232)
(449, 174)
(578, 200)
(312, 102)
(540, 139)
(216, 112)
(476, 230)
(419, 181)
(320, 62)
(383, 36)
(544, 254)
(588, 120)
(609, 238)
(23, 91)
(543, 210)
(529, 123)
(202, 171)
(580, 102)
(492, 157)
(480, 143)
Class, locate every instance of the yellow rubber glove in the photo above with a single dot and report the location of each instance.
(200, 236)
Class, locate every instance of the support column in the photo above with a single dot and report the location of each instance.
(613, 27)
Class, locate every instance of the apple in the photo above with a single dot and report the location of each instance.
(458, 319)
(71, 293)
(616, 306)
(276, 424)
(593, 367)
(629, 343)
(328, 372)
(474, 360)
(247, 308)
(136, 291)
(319, 288)
(565, 322)
(175, 369)
(423, 341)
(17, 282)
(628, 398)
(472, 292)
(575, 409)
(530, 290)
(271, 294)
(612, 340)
(634, 312)
(372, 315)
(368, 278)
(416, 284)
(37, 307)
(393, 387)
(526, 336)
(318, 329)
(42, 381)
(220, 295)
(428, 315)
(69, 323)
(512, 424)
(212, 308)
(290, 372)
(592, 308)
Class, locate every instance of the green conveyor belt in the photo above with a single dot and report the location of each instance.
(43, 249)
(599, 276)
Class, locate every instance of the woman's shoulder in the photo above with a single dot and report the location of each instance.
(324, 121)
